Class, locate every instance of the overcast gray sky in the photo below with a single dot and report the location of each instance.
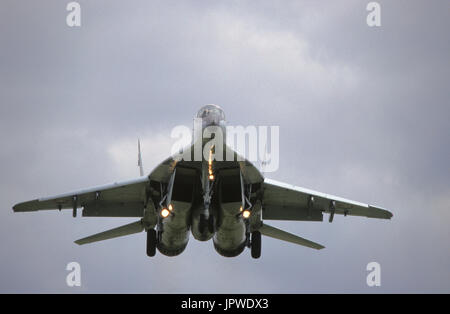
(363, 113)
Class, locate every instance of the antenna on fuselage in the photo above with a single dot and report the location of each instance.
(141, 167)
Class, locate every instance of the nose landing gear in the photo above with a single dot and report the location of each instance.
(207, 224)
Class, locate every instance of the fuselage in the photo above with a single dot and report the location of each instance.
(209, 195)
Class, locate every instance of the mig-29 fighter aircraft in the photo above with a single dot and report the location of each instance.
(228, 201)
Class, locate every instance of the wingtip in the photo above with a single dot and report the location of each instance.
(20, 207)
(17, 207)
(388, 214)
(380, 212)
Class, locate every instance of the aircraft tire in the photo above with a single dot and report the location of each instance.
(211, 224)
(151, 242)
(256, 244)
(203, 224)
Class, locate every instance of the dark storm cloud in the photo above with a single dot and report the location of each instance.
(362, 113)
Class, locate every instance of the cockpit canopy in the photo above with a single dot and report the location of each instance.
(211, 115)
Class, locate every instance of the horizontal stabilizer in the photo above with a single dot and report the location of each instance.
(289, 237)
(131, 228)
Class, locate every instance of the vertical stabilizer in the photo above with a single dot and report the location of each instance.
(141, 167)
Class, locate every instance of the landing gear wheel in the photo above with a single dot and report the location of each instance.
(203, 224)
(151, 242)
(211, 224)
(256, 244)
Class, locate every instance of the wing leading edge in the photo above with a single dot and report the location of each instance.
(288, 202)
(119, 199)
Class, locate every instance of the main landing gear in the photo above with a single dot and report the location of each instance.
(153, 237)
(255, 244)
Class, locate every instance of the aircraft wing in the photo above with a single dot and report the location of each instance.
(120, 199)
(288, 202)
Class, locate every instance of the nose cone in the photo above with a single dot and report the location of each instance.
(211, 115)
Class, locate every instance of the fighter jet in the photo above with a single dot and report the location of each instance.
(227, 200)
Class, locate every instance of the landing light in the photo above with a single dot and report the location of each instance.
(170, 207)
(246, 214)
(165, 213)
(210, 170)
